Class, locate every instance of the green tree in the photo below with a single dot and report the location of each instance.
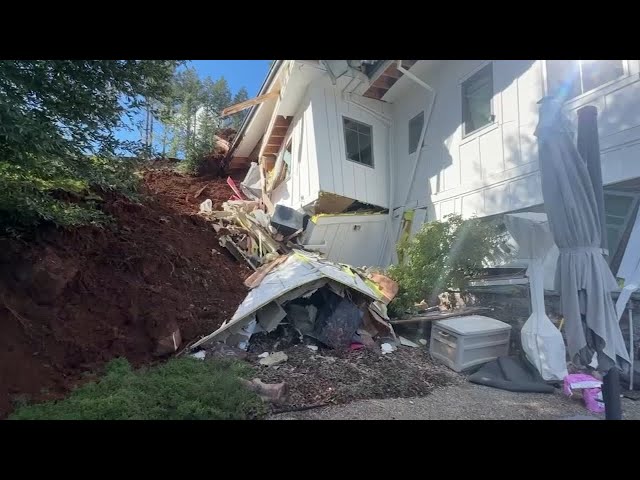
(58, 123)
(443, 255)
(238, 118)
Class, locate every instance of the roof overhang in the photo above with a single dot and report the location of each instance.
(291, 78)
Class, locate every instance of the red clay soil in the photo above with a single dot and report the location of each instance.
(71, 301)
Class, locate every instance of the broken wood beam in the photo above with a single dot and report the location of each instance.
(440, 316)
(238, 107)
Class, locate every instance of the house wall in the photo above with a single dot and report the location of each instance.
(304, 184)
(354, 239)
(495, 169)
(337, 174)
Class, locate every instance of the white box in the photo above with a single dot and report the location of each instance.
(464, 342)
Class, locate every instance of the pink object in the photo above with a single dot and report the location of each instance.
(235, 189)
(593, 400)
(591, 390)
(579, 381)
(356, 346)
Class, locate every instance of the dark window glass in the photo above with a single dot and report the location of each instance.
(358, 141)
(477, 92)
(415, 129)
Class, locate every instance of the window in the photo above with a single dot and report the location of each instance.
(570, 78)
(618, 208)
(415, 129)
(477, 92)
(358, 141)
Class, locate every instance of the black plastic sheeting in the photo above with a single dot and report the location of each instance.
(513, 374)
(337, 321)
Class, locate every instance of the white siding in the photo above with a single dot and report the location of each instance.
(303, 186)
(354, 239)
(336, 173)
(495, 169)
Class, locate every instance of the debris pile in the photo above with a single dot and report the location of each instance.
(247, 231)
(333, 305)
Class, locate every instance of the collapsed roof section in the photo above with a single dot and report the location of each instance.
(299, 275)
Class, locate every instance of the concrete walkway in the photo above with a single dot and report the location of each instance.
(463, 402)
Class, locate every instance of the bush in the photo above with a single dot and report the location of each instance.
(443, 255)
(63, 193)
(180, 389)
(58, 120)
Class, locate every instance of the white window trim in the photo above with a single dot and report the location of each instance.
(594, 91)
(418, 147)
(467, 136)
(628, 217)
(344, 141)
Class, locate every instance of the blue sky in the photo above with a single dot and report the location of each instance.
(238, 73)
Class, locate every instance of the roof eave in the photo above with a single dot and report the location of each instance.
(271, 74)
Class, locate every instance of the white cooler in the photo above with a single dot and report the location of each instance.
(463, 342)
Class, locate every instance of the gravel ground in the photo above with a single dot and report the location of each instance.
(465, 401)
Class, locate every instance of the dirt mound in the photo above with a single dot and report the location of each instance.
(71, 301)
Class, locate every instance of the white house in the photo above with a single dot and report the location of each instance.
(431, 137)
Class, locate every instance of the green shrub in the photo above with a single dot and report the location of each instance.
(180, 389)
(443, 255)
(58, 120)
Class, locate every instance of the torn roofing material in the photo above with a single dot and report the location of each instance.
(300, 272)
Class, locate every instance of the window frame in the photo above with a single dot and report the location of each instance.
(492, 115)
(545, 71)
(344, 137)
(418, 146)
(635, 198)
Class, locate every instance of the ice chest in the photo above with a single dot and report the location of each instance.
(463, 342)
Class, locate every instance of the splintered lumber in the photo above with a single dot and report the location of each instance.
(238, 107)
(230, 245)
(430, 317)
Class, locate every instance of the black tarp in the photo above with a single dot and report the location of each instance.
(514, 374)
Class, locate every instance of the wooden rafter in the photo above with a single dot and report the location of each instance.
(238, 107)
(386, 80)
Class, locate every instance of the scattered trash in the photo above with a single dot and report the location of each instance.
(274, 359)
(591, 390)
(313, 348)
(387, 348)
(221, 350)
(408, 343)
(579, 381)
(268, 392)
(200, 355)
(206, 206)
(263, 355)
(423, 341)
(356, 346)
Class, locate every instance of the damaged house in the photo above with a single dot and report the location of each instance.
(369, 149)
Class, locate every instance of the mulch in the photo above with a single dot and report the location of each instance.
(332, 376)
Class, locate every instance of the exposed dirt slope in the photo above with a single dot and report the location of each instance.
(71, 301)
